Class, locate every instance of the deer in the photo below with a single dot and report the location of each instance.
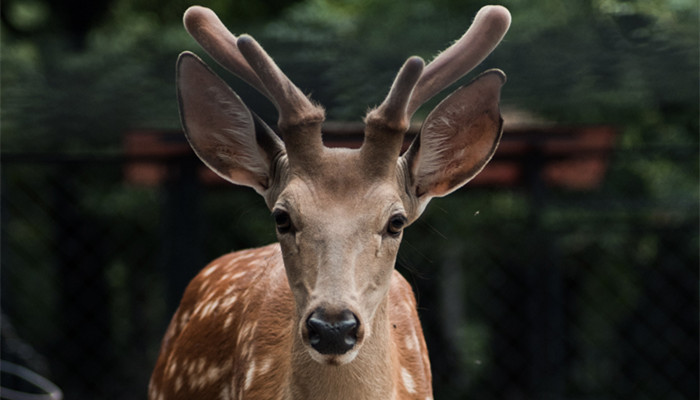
(322, 313)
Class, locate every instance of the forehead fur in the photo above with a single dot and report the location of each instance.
(337, 170)
(338, 178)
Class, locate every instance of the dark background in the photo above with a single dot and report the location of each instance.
(527, 288)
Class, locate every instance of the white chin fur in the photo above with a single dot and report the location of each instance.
(333, 359)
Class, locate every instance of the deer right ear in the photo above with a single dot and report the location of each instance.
(457, 139)
(223, 133)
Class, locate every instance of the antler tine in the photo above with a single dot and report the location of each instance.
(393, 109)
(387, 123)
(208, 30)
(490, 25)
(293, 106)
(244, 57)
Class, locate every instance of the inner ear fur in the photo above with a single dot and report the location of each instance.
(457, 140)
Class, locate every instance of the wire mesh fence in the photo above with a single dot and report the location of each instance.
(523, 293)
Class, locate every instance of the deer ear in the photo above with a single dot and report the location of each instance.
(457, 139)
(224, 134)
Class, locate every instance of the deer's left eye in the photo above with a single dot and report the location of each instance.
(396, 224)
(282, 220)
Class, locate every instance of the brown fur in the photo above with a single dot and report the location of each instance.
(210, 347)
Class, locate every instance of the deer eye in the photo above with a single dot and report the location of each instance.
(282, 220)
(396, 225)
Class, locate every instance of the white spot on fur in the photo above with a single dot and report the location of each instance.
(178, 383)
(247, 332)
(206, 310)
(183, 319)
(249, 255)
(225, 393)
(266, 365)
(247, 350)
(171, 369)
(411, 341)
(198, 309)
(249, 376)
(210, 270)
(229, 291)
(228, 321)
(190, 367)
(408, 381)
(226, 304)
(213, 373)
(239, 275)
(210, 296)
(209, 308)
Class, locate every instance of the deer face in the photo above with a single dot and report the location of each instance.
(339, 233)
(340, 213)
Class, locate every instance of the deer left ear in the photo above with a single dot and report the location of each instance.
(457, 140)
(226, 136)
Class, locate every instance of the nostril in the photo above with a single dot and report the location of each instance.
(332, 335)
(315, 326)
(348, 329)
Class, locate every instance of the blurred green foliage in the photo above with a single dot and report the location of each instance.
(584, 61)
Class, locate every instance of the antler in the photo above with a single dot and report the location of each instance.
(414, 86)
(244, 57)
(490, 25)
(386, 124)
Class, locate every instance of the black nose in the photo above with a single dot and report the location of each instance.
(332, 334)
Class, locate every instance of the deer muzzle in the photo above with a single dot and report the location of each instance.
(332, 333)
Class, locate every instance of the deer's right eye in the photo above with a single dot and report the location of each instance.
(282, 220)
(396, 225)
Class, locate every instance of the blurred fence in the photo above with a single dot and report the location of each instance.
(524, 293)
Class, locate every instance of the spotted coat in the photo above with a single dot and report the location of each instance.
(231, 336)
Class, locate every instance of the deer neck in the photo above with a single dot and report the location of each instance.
(368, 376)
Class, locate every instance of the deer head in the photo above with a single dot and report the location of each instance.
(340, 213)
